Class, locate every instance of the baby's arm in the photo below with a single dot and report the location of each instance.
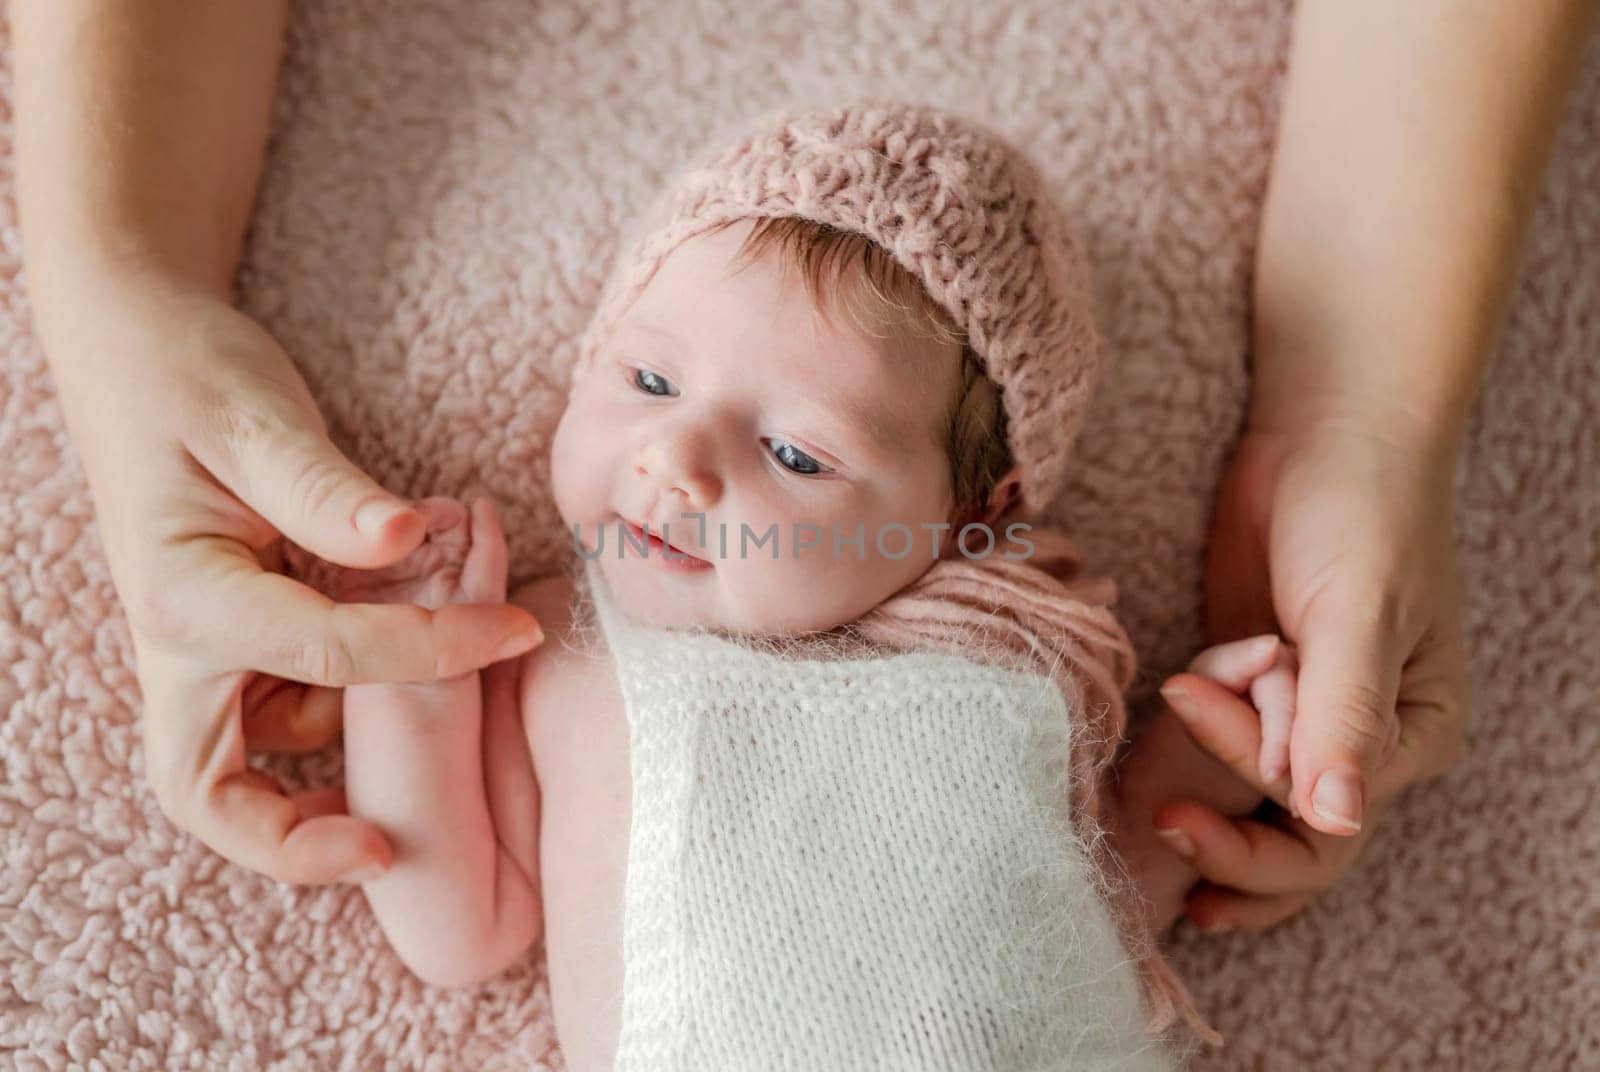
(443, 769)
(1165, 765)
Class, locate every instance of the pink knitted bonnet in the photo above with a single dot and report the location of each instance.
(954, 205)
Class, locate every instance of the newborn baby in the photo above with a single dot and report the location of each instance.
(820, 397)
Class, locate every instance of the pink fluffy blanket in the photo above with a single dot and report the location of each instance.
(445, 186)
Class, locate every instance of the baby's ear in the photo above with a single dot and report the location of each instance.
(1007, 490)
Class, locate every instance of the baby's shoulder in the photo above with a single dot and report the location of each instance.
(549, 599)
(569, 667)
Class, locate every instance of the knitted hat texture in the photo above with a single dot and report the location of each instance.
(953, 204)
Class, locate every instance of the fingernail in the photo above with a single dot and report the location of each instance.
(518, 642)
(1294, 806)
(1176, 695)
(1262, 645)
(364, 874)
(372, 516)
(1337, 798)
(1178, 840)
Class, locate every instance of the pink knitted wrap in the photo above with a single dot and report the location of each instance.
(967, 216)
(1046, 611)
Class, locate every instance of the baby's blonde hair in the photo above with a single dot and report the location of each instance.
(845, 269)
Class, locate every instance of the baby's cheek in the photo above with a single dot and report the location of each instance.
(573, 469)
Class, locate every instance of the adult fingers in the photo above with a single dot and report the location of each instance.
(1351, 653)
(308, 803)
(1217, 909)
(301, 635)
(1433, 704)
(1250, 855)
(1237, 663)
(1265, 667)
(257, 826)
(1257, 875)
(195, 762)
(1224, 725)
(278, 460)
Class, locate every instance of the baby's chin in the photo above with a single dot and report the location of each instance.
(721, 604)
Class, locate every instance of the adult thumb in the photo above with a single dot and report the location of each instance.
(289, 472)
(1351, 655)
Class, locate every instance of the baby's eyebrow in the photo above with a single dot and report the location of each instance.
(645, 326)
(870, 418)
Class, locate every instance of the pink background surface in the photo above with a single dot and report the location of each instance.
(443, 192)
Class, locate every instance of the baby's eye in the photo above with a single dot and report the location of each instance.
(652, 383)
(796, 460)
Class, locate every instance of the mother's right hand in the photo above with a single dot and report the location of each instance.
(204, 451)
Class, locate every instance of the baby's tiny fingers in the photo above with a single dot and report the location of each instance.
(1225, 725)
(486, 520)
(1273, 694)
(1275, 734)
(441, 512)
(1238, 662)
(448, 524)
(483, 575)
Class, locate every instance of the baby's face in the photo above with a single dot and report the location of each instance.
(723, 392)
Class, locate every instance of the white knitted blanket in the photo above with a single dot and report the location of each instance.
(857, 864)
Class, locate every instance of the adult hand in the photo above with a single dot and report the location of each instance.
(1340, 539)
(204, 451)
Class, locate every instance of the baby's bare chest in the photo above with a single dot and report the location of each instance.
(579, 738)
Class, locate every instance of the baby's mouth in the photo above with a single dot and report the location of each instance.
(653, 542)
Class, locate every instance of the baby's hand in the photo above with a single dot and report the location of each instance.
(1267, 668)
(462, 560)
(1248, 685)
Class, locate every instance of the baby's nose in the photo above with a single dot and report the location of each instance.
(682, 465)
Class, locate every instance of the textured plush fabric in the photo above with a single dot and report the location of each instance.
(445, 188)
(868, 862)
(953, 203)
